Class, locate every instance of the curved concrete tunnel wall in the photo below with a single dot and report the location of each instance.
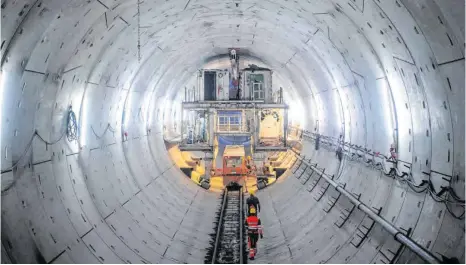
(376, 72)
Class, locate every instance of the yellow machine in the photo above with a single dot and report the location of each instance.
(234, 162)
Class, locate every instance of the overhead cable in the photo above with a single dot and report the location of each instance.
(446, 195)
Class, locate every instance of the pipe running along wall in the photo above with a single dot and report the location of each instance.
(373, 73)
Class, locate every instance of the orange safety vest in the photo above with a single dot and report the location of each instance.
(254, 225)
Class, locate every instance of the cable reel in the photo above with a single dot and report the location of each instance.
(71, 126)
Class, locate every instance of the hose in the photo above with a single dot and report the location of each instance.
(70, 132)
(53, 142)
(21, 157)
(425, 186)
(105, 131)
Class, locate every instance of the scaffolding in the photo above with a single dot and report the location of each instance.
(205, 119)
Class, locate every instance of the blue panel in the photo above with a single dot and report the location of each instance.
(228, 112)
(234, 140)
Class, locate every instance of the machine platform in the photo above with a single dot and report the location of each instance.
(232, 104)
(271, 148)
(196, 147)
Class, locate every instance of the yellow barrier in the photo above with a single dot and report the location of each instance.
(196, 177)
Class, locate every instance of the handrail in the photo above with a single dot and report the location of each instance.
(378, 161)
(426, 255)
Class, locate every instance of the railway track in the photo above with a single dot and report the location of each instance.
(228, 240)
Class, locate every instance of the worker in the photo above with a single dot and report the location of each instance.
(238, 93)
(248, 165)
(266, 169)
(254, 228)
(253, 202)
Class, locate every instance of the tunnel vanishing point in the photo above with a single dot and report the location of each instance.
(91, 93)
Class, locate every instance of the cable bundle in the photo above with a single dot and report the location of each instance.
(71, 132)
(71, 126)
(446, 195)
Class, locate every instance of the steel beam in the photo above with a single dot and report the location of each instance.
(232, 105)
(270, 148)
(203, 148)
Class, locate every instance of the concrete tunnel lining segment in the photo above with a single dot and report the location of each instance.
(376, 72)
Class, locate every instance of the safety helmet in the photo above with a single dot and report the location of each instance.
(252, 210)
(251, 192)
(249, 157)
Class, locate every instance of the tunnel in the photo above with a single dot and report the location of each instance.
(89, 95)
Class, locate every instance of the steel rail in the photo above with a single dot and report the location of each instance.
(423, 253)
(241, 225)
(219, 227)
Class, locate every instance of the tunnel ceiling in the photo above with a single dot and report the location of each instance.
(374, 73)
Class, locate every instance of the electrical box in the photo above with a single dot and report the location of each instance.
(257, 84)
(214, 84)
(223, 82)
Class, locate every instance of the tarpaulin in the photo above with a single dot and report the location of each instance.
(234, 140)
